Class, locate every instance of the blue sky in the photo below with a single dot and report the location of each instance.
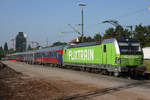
(43, 20)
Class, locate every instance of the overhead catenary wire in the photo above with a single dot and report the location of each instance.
(131, 13)
(97, 24)
(120, 17)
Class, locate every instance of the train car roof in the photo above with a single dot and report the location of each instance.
(50, 49)
(21, 53)
(41, 50)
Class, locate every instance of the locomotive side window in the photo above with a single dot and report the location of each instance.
(104, 48)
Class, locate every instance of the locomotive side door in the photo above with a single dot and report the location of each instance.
(104, 48)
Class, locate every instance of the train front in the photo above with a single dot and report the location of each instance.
(131, 55)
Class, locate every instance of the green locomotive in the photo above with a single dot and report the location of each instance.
(116, 55)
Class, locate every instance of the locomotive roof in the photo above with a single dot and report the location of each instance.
(112, 40)
(82, 44)
(127, 40)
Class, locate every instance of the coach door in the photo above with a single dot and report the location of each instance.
(104, 54)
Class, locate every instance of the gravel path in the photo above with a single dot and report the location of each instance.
(93, 86)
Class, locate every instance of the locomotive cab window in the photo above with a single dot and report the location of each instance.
(104, 48)
(130, 48)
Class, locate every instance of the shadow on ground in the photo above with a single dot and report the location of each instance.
(91, 94)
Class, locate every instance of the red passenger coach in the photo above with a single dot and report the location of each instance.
(15, 56)
(49, 55)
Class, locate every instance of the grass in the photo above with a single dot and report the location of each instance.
(147, 64)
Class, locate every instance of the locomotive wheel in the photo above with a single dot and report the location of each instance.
(104, 72)
(82, 68)
(110, 73)
(116, 74)
(89, 69)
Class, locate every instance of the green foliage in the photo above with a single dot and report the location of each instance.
(11, 50)
(147, 36)
(110, 32)
(59, 43)
(139, 33)
(119, 31)
(29, 47)
(98, 37)
(143, 34)
(20, 42)
(87, 39)
(5, 48)
(1, 52)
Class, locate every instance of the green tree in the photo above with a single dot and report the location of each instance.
(5, 48)
(1, 52)
(59, 43)
(90, 39)
(87, 39)
(97, 37)
(29, 47)
(20, 42)
(11, 50)
(140, 33)
(119, 31)
(110, 32)
(147, 37)
(84, 39)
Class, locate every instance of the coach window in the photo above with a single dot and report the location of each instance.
(104, 48)
(49, 54)
(37, 55)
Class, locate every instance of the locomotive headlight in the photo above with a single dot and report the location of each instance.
(118, 60)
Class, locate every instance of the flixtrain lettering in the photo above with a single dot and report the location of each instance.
(86, 54)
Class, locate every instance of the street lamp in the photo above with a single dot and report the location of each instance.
(82, 25)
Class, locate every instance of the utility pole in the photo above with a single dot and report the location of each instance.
(82, 17)
(82, 23)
